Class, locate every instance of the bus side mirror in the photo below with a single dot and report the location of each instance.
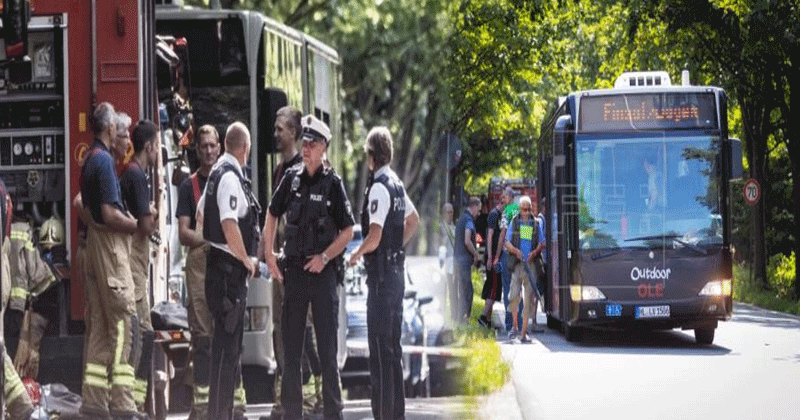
(736, 159)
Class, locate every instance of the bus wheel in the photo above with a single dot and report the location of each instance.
(573, 334)
(553, 323)
(704, 336)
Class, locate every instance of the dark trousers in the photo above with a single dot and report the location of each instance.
(384, 323)
(300, 289)
(226, 294)
(461, 294)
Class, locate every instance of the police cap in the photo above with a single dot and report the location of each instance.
(315, 130)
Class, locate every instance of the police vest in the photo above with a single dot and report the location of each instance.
(393, 228)
(248, 225)
(310, 228)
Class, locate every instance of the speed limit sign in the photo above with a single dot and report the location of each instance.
(752, 191)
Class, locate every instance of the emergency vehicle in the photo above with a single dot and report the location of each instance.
(180, 67)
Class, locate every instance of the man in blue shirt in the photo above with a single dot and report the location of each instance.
(524, 243)
(109, 289)
(466, 255)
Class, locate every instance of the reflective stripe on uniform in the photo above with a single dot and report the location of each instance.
(23, 237)
(19, 292)
(96, 376)
(239, 398)
(13, 388)
(140, 391)
(123, 372)
(200, 395)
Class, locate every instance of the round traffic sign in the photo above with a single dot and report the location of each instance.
(751, 191)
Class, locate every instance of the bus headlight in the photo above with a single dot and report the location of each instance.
(581, 293)
(717, 288)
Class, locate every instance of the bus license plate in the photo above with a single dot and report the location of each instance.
(652, 311)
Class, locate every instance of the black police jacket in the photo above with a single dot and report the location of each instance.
(248, 225)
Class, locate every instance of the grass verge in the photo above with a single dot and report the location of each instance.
(746, 290)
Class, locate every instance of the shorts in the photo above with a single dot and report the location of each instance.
(493, 286)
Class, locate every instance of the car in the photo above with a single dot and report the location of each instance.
(421, 328)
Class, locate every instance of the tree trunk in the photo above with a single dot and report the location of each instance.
(754, 116)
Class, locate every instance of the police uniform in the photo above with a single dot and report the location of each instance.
(387, 205)
(136, 195)
(227, 196)
(14, 395)
(108, 376)
(316, 209)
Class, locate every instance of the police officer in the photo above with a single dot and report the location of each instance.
(109, 286)
(230, 223)
(390, 219)
(201, 324)
(319, 224)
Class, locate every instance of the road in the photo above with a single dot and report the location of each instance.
(751, 371)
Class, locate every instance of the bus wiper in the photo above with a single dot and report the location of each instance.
(674, 237)
(612, 251)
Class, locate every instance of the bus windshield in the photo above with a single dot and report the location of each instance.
(651, 192)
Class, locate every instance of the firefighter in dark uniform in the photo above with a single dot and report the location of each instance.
(229, 213)
(108, 375)
(319, 224)
(391, 220)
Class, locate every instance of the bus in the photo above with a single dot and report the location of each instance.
(636, 180)
(239, 65)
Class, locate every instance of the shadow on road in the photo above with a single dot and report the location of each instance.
(672, 342)
(753, 315)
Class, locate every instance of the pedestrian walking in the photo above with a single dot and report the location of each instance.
(229, 212)
(108, 375)
(466, 256)
(390, 219)
(319, 224)
(493, 286)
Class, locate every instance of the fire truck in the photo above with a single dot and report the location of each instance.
(178, 66)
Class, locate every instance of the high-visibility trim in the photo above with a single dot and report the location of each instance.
(14, 389)
(140, 391)
(19, 292)
(123, 381)
(120, 342)
(96, 370)
(201, 390)
(96, 382)
(123, 369)
(239, 397)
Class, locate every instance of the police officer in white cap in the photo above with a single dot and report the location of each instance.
(319, 224)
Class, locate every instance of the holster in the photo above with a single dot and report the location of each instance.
(382, 265)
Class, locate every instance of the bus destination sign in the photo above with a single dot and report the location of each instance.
(648, 111)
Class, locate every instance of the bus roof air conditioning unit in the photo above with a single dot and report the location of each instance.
(642, 79)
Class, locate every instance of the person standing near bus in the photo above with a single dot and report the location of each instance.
(509, 211)
(493, 285)
(109, 285)
(466, 256)
(524, 242)
(137, 197)
(319, 224)
(229, 211)
(390, 219)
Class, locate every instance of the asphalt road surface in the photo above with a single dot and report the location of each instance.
(751, 372)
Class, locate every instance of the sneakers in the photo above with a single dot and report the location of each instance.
(483, 321)
(512, 334)
(525, 340)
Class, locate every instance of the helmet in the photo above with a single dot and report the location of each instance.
(33, 389)
(51, 233)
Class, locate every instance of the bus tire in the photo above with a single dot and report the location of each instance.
(704, 336)
(573, 334)
(553, 323)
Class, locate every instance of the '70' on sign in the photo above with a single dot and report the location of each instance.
(752, 191)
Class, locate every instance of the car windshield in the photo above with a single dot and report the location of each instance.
(648, 192)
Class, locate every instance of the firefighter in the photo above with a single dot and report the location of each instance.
(230, 223)
(136, 195)
(14, 396)
(390, 219)
(30, 277)
(108, 376)
(201, 323)
(319, 224)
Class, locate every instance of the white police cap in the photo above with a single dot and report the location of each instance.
(315, 129)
